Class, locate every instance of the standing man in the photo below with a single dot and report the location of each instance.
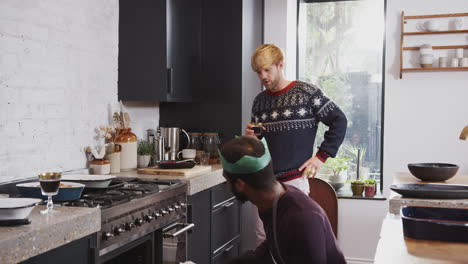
(290, 112)
(297, 228)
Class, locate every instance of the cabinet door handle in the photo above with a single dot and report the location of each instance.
(169, 80)
(229, 204)
(226, 250)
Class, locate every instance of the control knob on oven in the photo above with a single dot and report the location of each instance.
(170, 209)
(139, 221)
(118, 231)
(176, 206)
(183, 205)
(149, 218)
(156, 214)
(129, 226)
(164, 212)
(107, 236)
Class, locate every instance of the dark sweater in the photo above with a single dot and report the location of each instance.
(291, 117)
(304, 233)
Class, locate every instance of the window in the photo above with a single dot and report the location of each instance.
(341, 50)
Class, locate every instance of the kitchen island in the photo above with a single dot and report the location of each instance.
(47, 232)
(396, 201)
(393, 247)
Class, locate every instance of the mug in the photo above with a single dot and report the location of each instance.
(454, 62)
(457, 23)
(464, 62)
(187, 154)
(443, 62)
(431, 25)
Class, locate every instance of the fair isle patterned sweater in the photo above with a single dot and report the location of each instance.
(290, 117)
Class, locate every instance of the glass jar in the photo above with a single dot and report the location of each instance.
(211, 143)
(196, 141)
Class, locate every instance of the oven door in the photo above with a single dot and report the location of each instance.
(175, 242)
(140, 251)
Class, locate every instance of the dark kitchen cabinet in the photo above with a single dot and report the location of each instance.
(231, 31)
(81, 251)
(159, 50)
(216, 215)
(199, 213)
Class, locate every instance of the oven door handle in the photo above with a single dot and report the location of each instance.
(186, 227)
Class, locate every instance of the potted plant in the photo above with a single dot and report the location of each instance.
(357, 186)
(144, 150)
(369, 187)
(357, 152)
(338, 167)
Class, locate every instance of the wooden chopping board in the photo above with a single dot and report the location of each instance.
(195, 171)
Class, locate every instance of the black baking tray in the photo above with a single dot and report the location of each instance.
(435, 223)
(431, 190)
(171, 164)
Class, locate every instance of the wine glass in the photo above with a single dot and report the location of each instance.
(50, 182)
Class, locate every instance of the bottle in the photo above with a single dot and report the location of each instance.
(128, 154)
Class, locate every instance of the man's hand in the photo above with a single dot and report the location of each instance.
(311, 167)
(249, 131)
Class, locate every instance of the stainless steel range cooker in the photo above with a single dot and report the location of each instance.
(143, 221)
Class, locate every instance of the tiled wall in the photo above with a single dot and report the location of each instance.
(58, 79)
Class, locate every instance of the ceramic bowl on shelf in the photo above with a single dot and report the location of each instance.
(427, 60)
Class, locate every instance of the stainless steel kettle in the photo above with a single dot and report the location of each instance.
(172, 140)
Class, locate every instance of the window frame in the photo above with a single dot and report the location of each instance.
(382, 110)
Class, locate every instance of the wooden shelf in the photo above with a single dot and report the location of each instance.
(403, 34)
(439, 47)
(436, 32)
(435, 69)
(436, 16)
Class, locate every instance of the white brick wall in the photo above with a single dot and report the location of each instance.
(58, 76)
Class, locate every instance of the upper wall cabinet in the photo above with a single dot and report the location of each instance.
(160, 50)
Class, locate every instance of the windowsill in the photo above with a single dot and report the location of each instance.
(346, 193)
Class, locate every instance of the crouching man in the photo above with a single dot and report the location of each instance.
(297, 229)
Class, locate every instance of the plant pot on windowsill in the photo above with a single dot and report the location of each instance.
(370, 189)
(357, 187)
(338, 180)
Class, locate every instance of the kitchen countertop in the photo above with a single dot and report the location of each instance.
(396, 200)
(194, 184)
(393, 247)
(47, 232)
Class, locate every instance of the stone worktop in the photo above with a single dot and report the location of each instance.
(195, 184)
(396, 200)
(46, 232)
(393, 247)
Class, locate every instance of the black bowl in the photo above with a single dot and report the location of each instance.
(433, 171)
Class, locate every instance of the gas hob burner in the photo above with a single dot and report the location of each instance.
(121, 190)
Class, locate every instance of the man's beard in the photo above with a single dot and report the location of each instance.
(241, 197)
(274, 85)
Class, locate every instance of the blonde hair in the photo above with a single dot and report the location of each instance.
(266, 55)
